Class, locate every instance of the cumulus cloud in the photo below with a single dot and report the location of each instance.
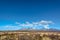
(45, 24)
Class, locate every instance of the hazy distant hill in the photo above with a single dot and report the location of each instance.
(51, 29)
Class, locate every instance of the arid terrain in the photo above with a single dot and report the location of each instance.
(29, 35)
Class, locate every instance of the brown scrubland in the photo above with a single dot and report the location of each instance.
(29, 35)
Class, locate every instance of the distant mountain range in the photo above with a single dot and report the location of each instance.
(51, 29)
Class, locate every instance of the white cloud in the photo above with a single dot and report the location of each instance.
(45, 24)
(9, 27)
(17, 23)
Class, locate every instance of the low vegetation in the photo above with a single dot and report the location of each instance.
(29, 36)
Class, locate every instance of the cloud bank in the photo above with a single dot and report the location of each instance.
(33, 25)
(27, 25)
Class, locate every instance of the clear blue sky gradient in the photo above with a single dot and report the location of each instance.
(12, 11)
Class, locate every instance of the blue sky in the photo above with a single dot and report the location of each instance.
(22, 11)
